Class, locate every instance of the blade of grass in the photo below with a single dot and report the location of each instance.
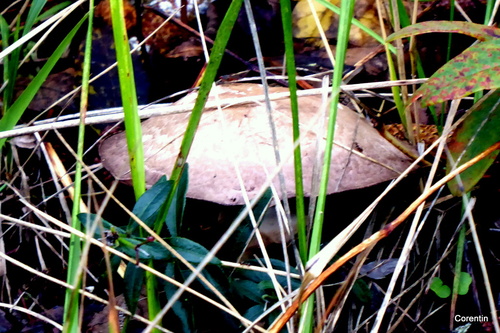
(14, 113)
(13, 65)
(347, 10)
(71, 304)
(133, 129)
(52, 11)
(129, 98)
(357, 23)
(10, 67)
(286, 18)
(218, 49)
(5, 34)
(346, 14)
(52, 20)
(396, 91)
(207, 81)
(400, 94)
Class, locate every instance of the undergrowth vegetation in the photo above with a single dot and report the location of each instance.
(416, 254)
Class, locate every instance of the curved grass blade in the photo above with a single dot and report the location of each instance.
(14, 113)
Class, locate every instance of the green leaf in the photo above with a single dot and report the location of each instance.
(17, 109)
(362, 291)
(478, 132)
(176, 209)
(441, 290)
(248, 289)
(261, 276)
(137, 248)
(254, 312)
(475, 69)
(479, 31)
(191, 251)
(464, 284)
(180, 307)
(87, 220)
(149, 204)
(133, 282)
(241, 236)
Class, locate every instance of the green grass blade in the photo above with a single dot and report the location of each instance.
(218, 49)
(347, 10)
(33, 14)
(286, 17)
(357, 23)
(12, 62)
(52, 11)
(223, 34)
(129, 98)
(133, 129)
(346, 14)
(14, 113)
(71, 304)
(10, 68)
(5, 34)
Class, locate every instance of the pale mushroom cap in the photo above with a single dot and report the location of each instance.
(241, 135)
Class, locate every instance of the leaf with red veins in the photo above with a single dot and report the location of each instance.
(475, 69)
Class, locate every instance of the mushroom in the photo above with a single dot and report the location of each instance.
(360, 157)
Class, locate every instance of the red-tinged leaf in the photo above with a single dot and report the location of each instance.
(479, 31)
(477, 133)
(475, 69)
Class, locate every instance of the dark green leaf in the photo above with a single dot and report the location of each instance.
(133, 281)
(479, 131)
(191, 251)
(180, 307)
(215, 275)
(254, 312)
(248, 289)
(148, 250)
(149, 204)
(242, 235)
(479, 31)
(176, 210)
(475, 69)
(87, 220)
(261, 276)
(362, 291)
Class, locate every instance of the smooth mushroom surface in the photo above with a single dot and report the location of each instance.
(240, 135)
